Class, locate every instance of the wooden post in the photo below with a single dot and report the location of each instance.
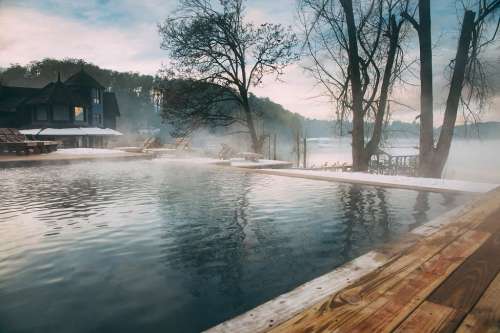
(269, 146)
(298, 148)
(305, 152)
(274, 147)
(378, 164)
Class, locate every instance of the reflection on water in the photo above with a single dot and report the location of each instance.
(153, 246)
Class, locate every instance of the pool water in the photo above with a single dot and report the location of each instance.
(156, 246)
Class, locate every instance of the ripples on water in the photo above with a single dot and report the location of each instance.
(153, 246)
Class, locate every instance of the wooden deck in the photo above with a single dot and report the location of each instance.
(446, 282)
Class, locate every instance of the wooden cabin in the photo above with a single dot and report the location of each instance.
(79, 102)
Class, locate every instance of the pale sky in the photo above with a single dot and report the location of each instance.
(122, 35)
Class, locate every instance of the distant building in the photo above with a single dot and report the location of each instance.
(78, 112)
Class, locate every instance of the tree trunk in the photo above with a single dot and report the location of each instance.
(256, 144)
(456, 84)
(372, 145)
(426, 94)
(358, 133)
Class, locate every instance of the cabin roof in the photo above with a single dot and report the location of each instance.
(56, 93)
(71, 131)
(83, 79)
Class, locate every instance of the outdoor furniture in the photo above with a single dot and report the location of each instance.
(12, 141)
(151, 142)
(395, 161)
(226, 152)
(254, 157)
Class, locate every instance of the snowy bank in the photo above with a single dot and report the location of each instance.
(234, 162)
(427, 184)
(260, 164)
(87, 151)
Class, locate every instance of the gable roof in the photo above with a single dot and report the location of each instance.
(55, 93)
(83, 79)
(110, 104)
(12, 97)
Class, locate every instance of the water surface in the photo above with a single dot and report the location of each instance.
(153, 246)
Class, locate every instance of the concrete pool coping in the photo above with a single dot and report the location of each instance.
(282, 168)
(284, 307)
(401, 182)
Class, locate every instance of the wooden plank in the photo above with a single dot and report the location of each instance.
(429, 317)
(464, 287)
(395, 305)
(491, 223)
(485, 316)
(284, 306)
(342, 305)
(375, 303)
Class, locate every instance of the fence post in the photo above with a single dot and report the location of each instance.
(305, 152)
(274, 147)
(298, 149)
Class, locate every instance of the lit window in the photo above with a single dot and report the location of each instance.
(60, 113)
(79, 113)
(96, 96)
(41, 113)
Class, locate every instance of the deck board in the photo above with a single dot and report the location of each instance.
(431, 287)
(463, 288)
(428, 318)
(380, 302)
(485, 316)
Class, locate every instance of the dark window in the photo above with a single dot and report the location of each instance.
(41, 113)
(60, 113)
(79, 113)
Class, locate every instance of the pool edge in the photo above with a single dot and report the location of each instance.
(285, 306)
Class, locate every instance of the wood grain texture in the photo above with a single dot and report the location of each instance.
(428, 318)
(408, 294)
(465, 286)
(491, 223)
(381, 301)
(485, 316)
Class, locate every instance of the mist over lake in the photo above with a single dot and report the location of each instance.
(470, 159)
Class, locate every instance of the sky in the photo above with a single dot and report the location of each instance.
(122, 35)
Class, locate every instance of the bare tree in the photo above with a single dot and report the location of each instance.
(467, 83)
(209, 41)
(356, 56)
(188, 105)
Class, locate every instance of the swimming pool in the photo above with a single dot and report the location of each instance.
(159, 246)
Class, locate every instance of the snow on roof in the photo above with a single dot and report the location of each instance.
(99, 131)
(400, 151)
(33, 131)
(61, 131)
(75, 131)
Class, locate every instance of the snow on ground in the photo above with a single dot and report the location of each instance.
(271, 167)
(234, 162)
(189, 160)
(397, 181)
(87, 151)
(242, 163)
